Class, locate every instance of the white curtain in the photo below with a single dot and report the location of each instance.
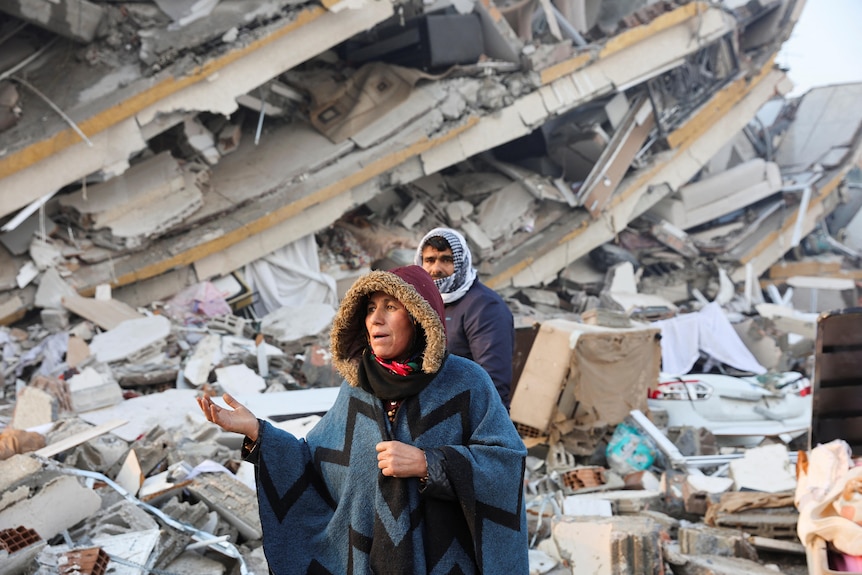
(290, 276)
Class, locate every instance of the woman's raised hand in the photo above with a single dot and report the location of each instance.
(237, 419)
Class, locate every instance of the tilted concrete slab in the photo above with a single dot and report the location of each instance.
(113, 124)
(720, 119)
(221, 246)
(58, 505)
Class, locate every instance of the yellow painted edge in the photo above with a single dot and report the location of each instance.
(718, 106)
(624, 40)
(773, 236)
(838, 274)
(780, 272)
(492, 9)
(290, 210)
(105, 119)
(15, 316)
(571, 65)
(658, 24)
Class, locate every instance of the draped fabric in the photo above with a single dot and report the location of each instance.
(326, 508)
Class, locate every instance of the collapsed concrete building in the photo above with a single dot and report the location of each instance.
(151, 151)
(186, 151)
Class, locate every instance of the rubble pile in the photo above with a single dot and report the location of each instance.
(107, 435)
(188, 189)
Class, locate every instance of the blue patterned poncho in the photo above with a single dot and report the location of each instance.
(325, 506)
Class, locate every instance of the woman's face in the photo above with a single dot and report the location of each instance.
(390, 329)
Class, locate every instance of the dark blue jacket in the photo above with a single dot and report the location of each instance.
(479, 326)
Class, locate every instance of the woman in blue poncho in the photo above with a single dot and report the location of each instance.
(416, 468)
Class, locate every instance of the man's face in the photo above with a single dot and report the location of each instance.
(439, 264)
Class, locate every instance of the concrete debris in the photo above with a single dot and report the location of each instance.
(670, 229)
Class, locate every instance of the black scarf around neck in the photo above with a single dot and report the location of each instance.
(376, 379)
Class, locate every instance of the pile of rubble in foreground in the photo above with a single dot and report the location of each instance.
(117, 466)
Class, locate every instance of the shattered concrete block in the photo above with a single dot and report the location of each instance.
(674, 238)
(231, 499)
(119, 518)
(502, 214)
(239, 380)
(629, 501)
(778, 523)
(204, 445)
(382, 203)
(34, 407)
(148, 199)
(128, 337)
(52, 289)
(16, 468)
(717, 565)
(610, 545)
(193, 562)
(78, 20)
(201, 140)
(153, 449)
(458, 211)
(107, 314)
(14, 495)
(606, 318)
(92, 389)
(130, 476)
(255, 559)
(132, 548)
(100, 454)
(616, 109)
(583, 507)
(767, 469)
(206, 355)
(700, 539)
(819, 294)
(162, 486)
(57, 506)
(540, 296)
(229, 138)
(697, 492)
(692, 441)
(412, 214)
(231, 324)
(695, 500)
(480, 243)
(644, 480)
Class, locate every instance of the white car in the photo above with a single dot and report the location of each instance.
(739, 411)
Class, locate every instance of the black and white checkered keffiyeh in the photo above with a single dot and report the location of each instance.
(454, 287)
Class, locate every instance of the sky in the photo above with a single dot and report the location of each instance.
(825, 46)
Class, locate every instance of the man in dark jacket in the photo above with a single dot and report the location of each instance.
(479, 324)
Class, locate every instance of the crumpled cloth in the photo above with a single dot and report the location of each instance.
(18, 441)
(820, 483)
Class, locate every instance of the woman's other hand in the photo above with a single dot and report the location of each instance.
(396, 459)
(237, 419)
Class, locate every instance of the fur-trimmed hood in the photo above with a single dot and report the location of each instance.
(415, 289)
